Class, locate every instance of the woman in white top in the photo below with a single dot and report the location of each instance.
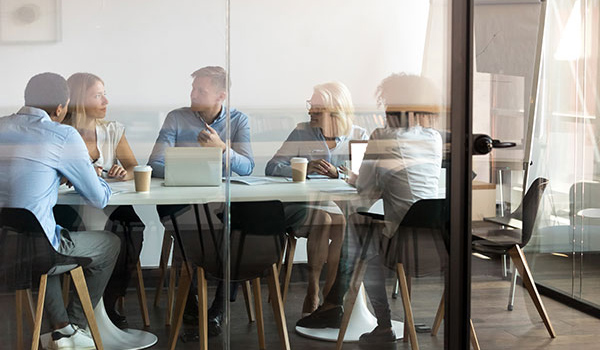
(110, 152)
(324, 142)
(105, 140)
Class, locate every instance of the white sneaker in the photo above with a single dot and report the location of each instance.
(80, 340)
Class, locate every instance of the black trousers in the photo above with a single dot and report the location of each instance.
(131, 237)
(374, 279)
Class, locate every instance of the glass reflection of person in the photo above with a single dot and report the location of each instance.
(324, 142)
(204, 124)
(36, 152)
(402, 165)
(112, 158)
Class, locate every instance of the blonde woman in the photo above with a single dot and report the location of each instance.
(110, 153)
(105, 140)
(324, 142)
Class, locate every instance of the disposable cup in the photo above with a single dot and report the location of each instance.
(142, 175)
(299, 166)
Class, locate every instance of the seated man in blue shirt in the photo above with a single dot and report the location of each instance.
(203, 124)
(36, 154)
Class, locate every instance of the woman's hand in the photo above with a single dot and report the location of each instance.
(98, 170)
(350, 175)
(322, 167)
(117, 171)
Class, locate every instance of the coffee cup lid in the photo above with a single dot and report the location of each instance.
(299, 160)
(142, 168)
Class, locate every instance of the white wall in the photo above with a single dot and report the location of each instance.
(145, 50)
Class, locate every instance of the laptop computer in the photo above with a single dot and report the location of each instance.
(193, 166)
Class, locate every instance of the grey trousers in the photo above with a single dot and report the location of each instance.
(103, 248)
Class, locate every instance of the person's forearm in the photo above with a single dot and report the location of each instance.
(240, 164)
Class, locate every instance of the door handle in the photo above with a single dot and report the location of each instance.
(483, 144)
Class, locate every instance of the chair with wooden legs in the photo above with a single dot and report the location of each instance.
(255, 245)
(499, 240)
(424, 217)
(288, 263)
(27, 250)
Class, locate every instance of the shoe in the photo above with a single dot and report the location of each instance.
(80, 340)
(215, 319)
(378, 336)
(331, 318)
(118, 320)
(190, 313)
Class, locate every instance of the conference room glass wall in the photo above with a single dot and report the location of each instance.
(310, 76)
(390, 63)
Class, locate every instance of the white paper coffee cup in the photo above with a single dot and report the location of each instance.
(299, 166)
(142, 175)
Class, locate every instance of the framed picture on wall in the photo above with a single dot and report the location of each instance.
(29, 21)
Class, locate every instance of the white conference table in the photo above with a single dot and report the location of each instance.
(313, 190)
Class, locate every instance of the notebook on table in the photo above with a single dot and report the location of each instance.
(193, 166)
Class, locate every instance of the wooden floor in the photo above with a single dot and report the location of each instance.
(496, 327)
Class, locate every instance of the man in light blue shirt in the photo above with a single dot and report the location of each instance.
(36, 154)
(203, 125)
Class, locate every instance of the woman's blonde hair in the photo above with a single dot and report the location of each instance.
(338, 102)
(79, 83)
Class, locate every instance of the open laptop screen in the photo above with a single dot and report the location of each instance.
(357, 153)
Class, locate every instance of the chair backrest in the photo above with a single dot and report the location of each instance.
(26, 251)
(256, 242)
(423, 229)
(527, 211)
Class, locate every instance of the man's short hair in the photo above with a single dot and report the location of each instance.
(217, 75)
(47, 91)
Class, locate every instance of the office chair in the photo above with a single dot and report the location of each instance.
(27, 251)
(256, 242)
(498, 240)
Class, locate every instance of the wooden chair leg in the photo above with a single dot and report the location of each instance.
(247, 289)
(520, 262)
(39, 310)
(289, 263)
(405, 336)
(278, 309)
(19, 301)
(350, 299)
(202, 309)
(165, 251)
(66, 284)
(260, 324)
(409, 321)
(86, 303)
(171, 294)
(183, 289)
(142, 295)
(30, 307)
(439, 316)
(474, 341)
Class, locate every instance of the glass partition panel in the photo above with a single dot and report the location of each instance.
(566, 151)
(136, 100)
(315, 80)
